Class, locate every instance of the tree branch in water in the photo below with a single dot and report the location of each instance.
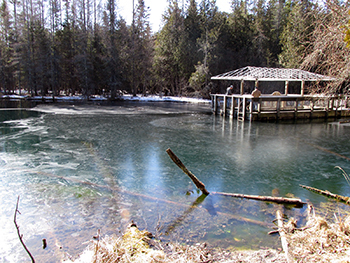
(19, 234)
(194, 179)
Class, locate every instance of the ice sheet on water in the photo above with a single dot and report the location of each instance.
(128, 105)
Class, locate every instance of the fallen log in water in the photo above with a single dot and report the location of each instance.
(194, 179)
(341, 198)
(284, 241)
(275, 199)
(201, 186)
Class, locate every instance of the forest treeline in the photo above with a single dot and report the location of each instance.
(86, 47)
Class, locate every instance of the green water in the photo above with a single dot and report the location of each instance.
(80, 168)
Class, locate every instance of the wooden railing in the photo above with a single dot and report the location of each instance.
(246, 106)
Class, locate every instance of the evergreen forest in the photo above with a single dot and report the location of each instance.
(85, 47)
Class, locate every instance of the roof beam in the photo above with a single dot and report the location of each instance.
(271, 74)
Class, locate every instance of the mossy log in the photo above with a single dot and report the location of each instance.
(341, 198)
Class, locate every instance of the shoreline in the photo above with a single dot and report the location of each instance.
(97, 98)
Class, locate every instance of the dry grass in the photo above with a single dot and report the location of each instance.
(318, 241)
(138, 246)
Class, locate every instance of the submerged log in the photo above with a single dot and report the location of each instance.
(328, 151)
(194, 179)
(123, 191)
(274, 199)
(341, 198)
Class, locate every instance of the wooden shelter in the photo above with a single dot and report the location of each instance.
(277, 105)
(258, 74)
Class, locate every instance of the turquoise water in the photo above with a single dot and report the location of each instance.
(81, 168)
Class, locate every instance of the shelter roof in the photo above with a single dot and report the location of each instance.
(271, 74)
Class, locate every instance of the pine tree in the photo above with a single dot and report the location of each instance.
(296, 33)
(7, 80)
(141, 50)
(169, 48)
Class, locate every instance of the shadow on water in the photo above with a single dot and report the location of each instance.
(16, 103)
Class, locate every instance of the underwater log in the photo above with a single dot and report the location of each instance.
(123, 191)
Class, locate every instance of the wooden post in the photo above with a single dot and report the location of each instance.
(212, 103)
(286, 86)
(215, 104)
(278, 108)
(242, 87)
(327, 108)
(302, 87)
(335, 106)
(296, 109)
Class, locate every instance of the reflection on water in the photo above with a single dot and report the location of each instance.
(80, 168)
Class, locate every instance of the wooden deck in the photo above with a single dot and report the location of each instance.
(283, 107)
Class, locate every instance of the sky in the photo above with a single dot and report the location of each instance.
(157, 9)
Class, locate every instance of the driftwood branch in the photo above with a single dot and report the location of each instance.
(284, 241)
(341, 198)
(194, 179)
(18, 232)
(275, 199)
